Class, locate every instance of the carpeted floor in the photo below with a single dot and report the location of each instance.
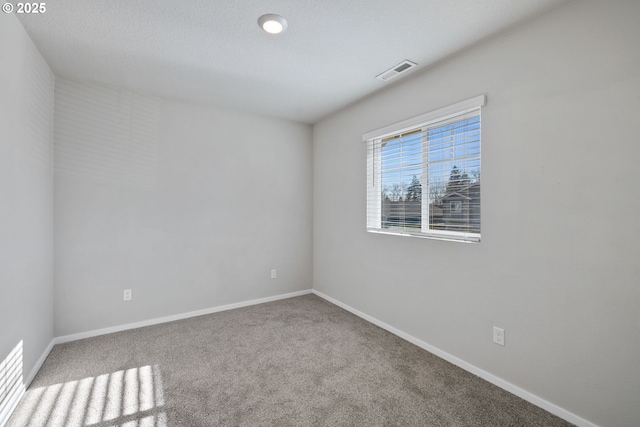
(295, 362)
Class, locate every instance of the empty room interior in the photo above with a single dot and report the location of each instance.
(290, 213)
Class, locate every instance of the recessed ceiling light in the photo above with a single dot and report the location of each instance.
(273, 24)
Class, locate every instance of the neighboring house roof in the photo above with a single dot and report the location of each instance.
(465, 189)
(456, 194)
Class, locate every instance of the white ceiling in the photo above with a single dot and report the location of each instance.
(214, 52)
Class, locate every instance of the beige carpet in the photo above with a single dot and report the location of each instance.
(295, 362)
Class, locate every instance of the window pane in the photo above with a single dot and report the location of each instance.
(454, 176)
(425, 178)
(401, 186)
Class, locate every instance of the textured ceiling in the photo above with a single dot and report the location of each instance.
(214, 52)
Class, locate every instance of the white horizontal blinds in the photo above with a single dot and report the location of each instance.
(373, 185)
(425, 180)
(453, 155)
(400, 176)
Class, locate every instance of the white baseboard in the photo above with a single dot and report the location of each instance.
(6, 413)
(530, 397)
(505, 385)
(98, 332)
(28, 380)
(11, 406)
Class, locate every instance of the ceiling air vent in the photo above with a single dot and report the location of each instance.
(402, 67)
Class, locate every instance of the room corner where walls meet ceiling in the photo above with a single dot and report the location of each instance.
(215, 53)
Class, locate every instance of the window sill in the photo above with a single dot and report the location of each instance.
(435, 236)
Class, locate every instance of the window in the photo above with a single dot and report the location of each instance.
(423, 174)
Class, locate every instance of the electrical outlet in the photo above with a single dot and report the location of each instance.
(274, 274)
(498, 335)
(127, 295)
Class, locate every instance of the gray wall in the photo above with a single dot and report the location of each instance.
(558, 263)
(190, 207)
(26, 196)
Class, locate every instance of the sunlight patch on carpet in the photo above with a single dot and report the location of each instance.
(131, 398)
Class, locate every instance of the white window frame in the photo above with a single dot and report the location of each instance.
(374, 166)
